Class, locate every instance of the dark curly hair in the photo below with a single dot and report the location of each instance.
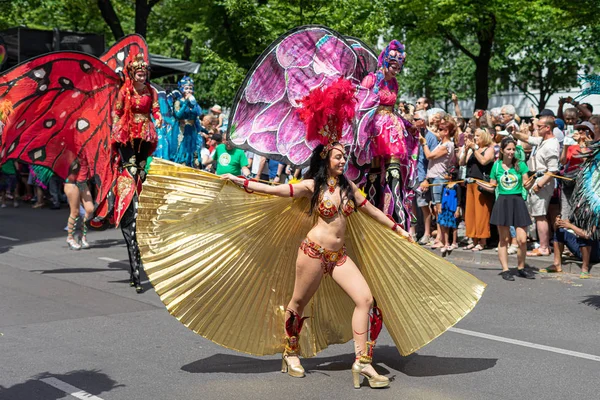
(318, 171)
(505, 142)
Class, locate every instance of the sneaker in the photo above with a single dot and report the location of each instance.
(73, 245)
(3, 205)
(16, 204)
(525, 273)
(424, 240)
(513, 249)
(507, 276)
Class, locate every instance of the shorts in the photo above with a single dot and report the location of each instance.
(81, 185)
(538, 203)
(436, 191)
(423, 198)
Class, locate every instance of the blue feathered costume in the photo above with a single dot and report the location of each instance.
(186, 111)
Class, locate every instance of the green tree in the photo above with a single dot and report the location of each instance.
(548, 56)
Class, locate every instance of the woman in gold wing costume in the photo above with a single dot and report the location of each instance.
(323, 252)
(225, 262)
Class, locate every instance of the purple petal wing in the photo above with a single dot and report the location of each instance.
(243, 120)
(300, 81)
(334, 57)
(291, 132)
(264, 142)
(300, 153)
(270, 118)
(298, 49)
(267, 83)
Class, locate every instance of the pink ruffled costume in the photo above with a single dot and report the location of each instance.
(393, 144)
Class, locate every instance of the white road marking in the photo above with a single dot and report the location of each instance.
(72, 390)
(9, 238)
(108, 259)
(526, 344)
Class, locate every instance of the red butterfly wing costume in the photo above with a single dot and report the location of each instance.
(63, 104)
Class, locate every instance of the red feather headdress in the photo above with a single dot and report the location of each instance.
(325, 111)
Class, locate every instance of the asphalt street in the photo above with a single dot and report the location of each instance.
(72, 328)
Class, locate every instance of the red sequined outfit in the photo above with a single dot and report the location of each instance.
(328, 210)
(132, 115)
(329, 259)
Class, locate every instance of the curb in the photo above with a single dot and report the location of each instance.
(490, 257)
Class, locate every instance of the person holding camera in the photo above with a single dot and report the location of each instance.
(479, 159)
(544, 158)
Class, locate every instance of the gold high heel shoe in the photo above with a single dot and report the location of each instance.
(293, 326)
(366, 358)
(296, 371)
(375, 381)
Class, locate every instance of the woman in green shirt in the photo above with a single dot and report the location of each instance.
(510, 208)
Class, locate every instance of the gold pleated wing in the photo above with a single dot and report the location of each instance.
(223, 263)
(420, 294)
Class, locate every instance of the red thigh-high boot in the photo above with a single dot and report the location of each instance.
(365, 357)
(293, 326)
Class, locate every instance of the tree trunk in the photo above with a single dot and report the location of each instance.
(187, 49)
(110, 17)
(482, 85)
(485, 37)
(142, 11)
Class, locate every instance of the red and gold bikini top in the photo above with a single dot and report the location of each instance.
(328, 210)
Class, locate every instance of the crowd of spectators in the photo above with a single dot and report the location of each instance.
(497, 171)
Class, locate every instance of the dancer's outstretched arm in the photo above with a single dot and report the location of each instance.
(301, 189)
(377, 214)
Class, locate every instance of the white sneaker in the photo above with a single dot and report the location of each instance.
(512, 249)
(73, 245)
(3, 205)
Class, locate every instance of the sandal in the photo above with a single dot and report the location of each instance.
(469, 247)
(437, 245)
(553, 269)
(584, 275)
(477, 248)
(537, 253)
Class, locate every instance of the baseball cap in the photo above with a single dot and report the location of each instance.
(585, 126)
(546, 113)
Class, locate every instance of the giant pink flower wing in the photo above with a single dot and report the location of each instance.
(267, 82)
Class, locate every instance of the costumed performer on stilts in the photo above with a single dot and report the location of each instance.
(394, 142)
(134, 138)
(334, 198)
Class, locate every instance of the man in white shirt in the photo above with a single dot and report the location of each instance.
(544, 159)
